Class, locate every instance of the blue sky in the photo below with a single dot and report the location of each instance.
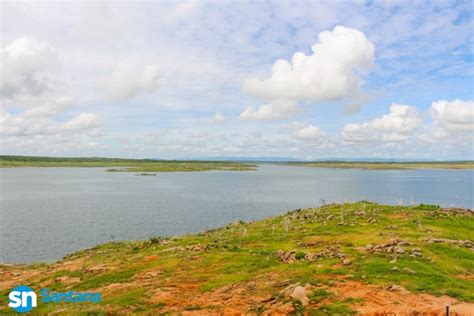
(173, 79)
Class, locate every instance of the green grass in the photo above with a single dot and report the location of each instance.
(332, 309)
(145, 167)
(244, 254)
(388, 165)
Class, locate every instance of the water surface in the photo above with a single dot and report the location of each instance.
(46, 213)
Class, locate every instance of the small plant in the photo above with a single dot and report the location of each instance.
(333, 309)
(298, 307)
(319, 294)
(258, 309)
(300, 255)
(155, 240)
(342, 214)
(286, 224)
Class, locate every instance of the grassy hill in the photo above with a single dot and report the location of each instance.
(331, 260)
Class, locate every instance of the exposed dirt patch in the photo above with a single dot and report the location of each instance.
(399, 215)
(465, 276)
(391, 300)
(261, 294)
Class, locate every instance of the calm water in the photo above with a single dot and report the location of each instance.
(46, 213)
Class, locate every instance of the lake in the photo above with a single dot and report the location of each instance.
(46, 213)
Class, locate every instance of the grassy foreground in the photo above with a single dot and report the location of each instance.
(332, 260)
(389, 165)
(122, 165)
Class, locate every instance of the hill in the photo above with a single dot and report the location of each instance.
(334, 259)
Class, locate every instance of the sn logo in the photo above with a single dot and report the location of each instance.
(22, 299)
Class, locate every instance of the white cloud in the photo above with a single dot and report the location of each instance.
(206, 52)
(278, 109)
(329, 73)
(28, 70)
(398, 125)
(24, 66)
(219, 118)
(309, 133)
(455, 116)
(83, 123)
(452, 125)
(128, 81)
(34, 123)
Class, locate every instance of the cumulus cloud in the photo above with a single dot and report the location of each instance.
(455, 116)
(30, 123)
(398, 125)
(276, 110)
(29, 73)
(219, 118)
(329, 73)
(24, 67)
(309, 133)
(85, 123)
(128, 81)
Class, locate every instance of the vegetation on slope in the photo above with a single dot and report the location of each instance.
(123, 165)
(337, 256)
(388, 165)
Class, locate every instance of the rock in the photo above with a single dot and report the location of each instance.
(378, 248)
(465, 243)
(97, 269)
(369, 248)
(287, 256)
(151, 274)
(346, 262)
(197, 248)
(392, 242)
(371, 220)
(311, 257)
(399, 250)
(395, 288)
(408, 270)
(395, 269)
(177, 248)
(299, 293)
(416, 252)
(289, 289)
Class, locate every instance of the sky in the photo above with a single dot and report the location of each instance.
(193, 79)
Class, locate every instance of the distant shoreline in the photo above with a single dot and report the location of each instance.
(157, 165)
(123, 165)
(388, 165)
